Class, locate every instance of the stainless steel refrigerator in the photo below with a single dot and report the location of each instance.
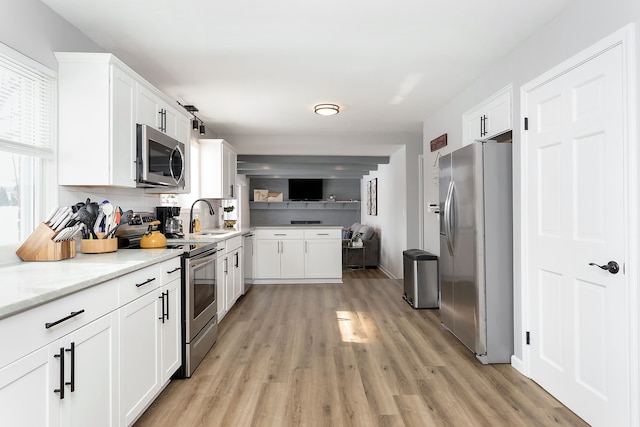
(476, 255)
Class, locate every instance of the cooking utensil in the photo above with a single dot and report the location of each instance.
(85, 217)
(124, 219)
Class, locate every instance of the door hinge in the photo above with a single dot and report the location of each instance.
(528, 338)
(526, 123)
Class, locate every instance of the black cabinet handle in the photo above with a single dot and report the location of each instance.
(165, 313)
(236, 262)
(145, 282)
(174, 270)
(61, 388)
(167, 292)
(73, 314)
(72, 383)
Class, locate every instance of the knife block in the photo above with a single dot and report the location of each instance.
(40, 246)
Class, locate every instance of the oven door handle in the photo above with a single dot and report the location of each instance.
(197, 262)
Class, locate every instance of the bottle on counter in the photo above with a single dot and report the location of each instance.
(196, 224)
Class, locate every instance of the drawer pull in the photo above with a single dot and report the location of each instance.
(145, 282)
(174, 270)
(279, 234)
(73, 314)
(322, 234)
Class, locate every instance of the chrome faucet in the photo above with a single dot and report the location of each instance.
(191, 212)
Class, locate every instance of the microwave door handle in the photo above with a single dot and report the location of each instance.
(173, 175)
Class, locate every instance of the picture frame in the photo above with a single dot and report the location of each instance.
(373, 196)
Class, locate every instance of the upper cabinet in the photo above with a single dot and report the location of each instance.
(100, 101)
(490, 118)
(154, 111)
(96, 121)
(218, 169)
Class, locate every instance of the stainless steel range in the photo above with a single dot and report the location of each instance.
(200, 318)
(199, 304)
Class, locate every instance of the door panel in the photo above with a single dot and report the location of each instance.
(575, 202)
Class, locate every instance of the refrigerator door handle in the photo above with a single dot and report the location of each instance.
(447, 217)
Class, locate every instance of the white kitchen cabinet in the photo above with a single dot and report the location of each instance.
(490, 118)
(322, 253)
(140, 355)
(30, 388)
(101, 100)
(233, 282)
(153, 110)
(298, 255)
(26, 389)
(171, 328)
(221, 278)
(150, 339)
(96, 121)
(218, 169)
(279, 254)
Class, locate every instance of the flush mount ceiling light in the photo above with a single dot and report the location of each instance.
(326, 109)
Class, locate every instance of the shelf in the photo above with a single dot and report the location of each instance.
(338, 205)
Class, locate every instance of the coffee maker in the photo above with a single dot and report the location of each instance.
(170, 222)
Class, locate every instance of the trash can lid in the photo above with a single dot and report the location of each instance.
(419, 255)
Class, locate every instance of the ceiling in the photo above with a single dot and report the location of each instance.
(256, 68)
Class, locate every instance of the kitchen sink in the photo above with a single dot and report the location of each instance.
(214, 232)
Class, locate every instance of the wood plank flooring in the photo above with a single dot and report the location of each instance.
(347, 355)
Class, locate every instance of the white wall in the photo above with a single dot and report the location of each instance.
(391, 221)
(580, 26)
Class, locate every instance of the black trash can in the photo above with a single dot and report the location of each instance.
(421, 279)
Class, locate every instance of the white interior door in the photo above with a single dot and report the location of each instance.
(575, 198)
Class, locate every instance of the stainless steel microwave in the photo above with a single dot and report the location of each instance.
(160, 159)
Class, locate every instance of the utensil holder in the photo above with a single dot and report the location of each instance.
(40, 246)
(99, 245)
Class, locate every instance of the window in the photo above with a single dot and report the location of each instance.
(27, 143)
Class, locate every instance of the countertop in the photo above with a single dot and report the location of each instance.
(28, 284)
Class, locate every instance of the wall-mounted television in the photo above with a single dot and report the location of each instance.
(305, 189)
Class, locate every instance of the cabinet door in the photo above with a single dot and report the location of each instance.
(140, 355)
(171, 358)
(123, 137)
(148, 108)
(26, 391)
(499, 115)
(292, 259)
(221, 287)
(323, 259)
(170, 121)
(92, 357)
(238, 279)
(234, 278)
(474, 126)
(230, 171)
(267, 259)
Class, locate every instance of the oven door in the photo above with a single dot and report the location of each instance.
(200, 294)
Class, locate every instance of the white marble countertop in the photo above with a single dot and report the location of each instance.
(28, 284)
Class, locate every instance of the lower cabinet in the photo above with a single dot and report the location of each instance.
(229, 272)
(105, 370)
(150, 344)
(302, 255)
(140, 355)
(70, 382)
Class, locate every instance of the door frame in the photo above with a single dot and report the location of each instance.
(626, 38)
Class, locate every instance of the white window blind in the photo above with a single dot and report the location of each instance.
(26, 104)
(27, 144)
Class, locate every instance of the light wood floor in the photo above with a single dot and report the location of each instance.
(347, 355)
